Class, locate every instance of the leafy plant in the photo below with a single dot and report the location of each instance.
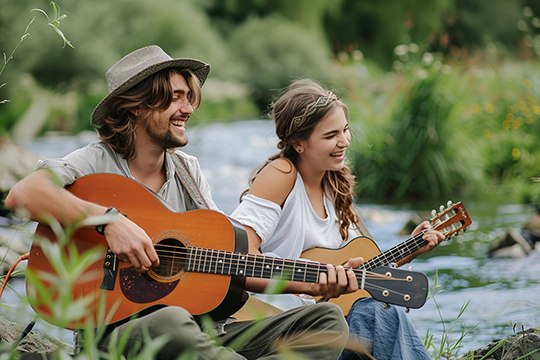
(446, 348)
(54, 23)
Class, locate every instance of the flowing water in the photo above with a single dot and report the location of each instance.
(502, 294)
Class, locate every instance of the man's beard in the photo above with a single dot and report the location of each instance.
(167, 140)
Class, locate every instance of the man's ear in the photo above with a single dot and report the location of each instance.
(135, 111)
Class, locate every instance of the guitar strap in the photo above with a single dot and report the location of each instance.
(363, 228)
(188, 182)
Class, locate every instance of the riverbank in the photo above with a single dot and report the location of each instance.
(521, 345)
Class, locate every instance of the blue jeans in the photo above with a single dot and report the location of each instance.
(387, 333)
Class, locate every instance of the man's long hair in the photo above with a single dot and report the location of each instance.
(150, 95)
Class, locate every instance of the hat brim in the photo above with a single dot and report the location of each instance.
(199, 68)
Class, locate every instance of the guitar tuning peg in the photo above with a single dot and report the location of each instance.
(433, 213)
(407, 310)
(441, 208)
(449, 204)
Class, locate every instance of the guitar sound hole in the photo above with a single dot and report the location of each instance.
(172, 258)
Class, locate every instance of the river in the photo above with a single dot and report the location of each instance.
(502, 294)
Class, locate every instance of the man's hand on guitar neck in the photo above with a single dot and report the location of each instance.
(130, 243)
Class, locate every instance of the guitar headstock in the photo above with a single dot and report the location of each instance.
(398, 287)
(450, 219)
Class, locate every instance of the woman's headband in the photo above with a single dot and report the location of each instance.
(321, 102)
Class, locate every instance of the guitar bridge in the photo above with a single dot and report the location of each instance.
(110, 269)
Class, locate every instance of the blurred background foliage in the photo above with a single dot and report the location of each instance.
(444, 95)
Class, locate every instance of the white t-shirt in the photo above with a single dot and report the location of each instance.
(287, 232)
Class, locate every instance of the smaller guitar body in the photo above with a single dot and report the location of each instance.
(450, 221)
(360, 246)
(203, 264)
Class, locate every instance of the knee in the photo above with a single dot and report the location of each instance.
(333, 316)
(172, 321)
(178, 326)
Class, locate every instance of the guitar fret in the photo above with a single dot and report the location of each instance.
(207, 261)
(288, 269)
(212, 262)
(258, 269)
(219, 262)
(297, 273)
(196, 259)
(190, 258)
(249, 266)
(313, 270)
(228, 261)
(266, 270)
(254, 265)
(277, 272)
(242, 271)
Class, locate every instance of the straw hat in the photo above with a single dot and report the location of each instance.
(137, 66)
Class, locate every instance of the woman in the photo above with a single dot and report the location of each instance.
(303, 197)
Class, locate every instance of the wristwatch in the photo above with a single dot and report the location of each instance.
(101, 228)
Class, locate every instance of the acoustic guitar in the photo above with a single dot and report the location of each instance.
(450, 221)
(203, 263)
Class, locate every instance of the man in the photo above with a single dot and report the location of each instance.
(140, 123)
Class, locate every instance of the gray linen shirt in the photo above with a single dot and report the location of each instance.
(98, 157)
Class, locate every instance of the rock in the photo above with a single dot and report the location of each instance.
(510, 245)
(15, 163)
(34, 342)
(523, 345)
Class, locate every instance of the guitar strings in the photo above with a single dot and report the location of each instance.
(311, 268)
(412, 244)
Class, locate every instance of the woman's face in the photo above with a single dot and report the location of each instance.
(325, 148)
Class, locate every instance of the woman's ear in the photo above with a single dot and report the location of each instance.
(298, 147)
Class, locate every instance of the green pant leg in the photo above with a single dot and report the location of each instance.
(183, 332)
(314, 332)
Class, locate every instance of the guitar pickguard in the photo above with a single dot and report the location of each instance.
(143, 289)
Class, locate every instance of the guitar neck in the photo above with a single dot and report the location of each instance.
(407, 289)
(221, 262)
(395, 254)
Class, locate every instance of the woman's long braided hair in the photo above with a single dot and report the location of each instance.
(297, 105)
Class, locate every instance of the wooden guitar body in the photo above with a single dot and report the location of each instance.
(127, 291)
(360, 246)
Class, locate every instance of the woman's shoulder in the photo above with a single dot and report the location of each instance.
(275, 181)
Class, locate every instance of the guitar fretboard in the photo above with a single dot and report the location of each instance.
(396, 253)
(222, 262)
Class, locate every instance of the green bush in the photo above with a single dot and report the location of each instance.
(447, 131)
(272, 51)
